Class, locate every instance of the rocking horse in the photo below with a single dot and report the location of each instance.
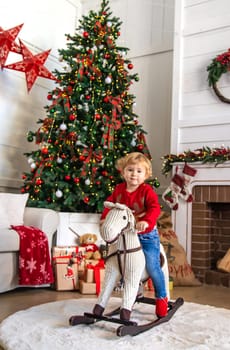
(125, 261)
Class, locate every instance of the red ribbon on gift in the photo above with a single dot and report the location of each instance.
(100, 265)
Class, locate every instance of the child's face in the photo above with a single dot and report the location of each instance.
(134, 174)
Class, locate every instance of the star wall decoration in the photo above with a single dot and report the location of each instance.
(7, 43)
(32, 66)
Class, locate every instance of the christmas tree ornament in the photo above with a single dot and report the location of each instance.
(32, 66)
(8, 44)
(170, 195)
(108, 80)
(59, 193)
(30, 160)
(63, 126)
(33, 165)
(188, 173)
(87, 182)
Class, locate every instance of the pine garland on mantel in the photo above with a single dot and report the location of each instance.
(205, 154)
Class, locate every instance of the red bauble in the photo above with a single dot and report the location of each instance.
(85, 35)
(23, 176)
(107, 56)
(98, 183)
(49, 97)
(67, 177)
(140, 147)
(86, 200)
(22, 190)
(104, 173)
(38, 182)
(87, 97)
(82, 158)
(76, 180)
(72, 117)
(44, 150)
(97, 116)
(130, 66)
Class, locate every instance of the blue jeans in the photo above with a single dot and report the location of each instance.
(150, 243)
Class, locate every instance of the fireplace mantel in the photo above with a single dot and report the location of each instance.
(208, 174)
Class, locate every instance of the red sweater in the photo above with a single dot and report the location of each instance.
(143, 201)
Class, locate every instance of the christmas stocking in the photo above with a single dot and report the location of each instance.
(188, 174)
(170, 195)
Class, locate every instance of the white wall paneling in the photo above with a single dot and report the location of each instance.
(201, 33)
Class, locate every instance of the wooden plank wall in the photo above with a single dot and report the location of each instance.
(199, 118)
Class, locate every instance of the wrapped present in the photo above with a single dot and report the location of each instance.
(66, 273)
(94, 273)
(74, 251)
(87, 288)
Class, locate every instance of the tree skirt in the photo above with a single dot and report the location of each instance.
(43, 327)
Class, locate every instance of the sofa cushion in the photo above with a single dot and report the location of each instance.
(9, 240)
(12, 208)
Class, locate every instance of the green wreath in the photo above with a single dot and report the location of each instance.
(220, 65)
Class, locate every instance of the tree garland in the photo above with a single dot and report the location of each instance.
(220, 65)
(204, 155)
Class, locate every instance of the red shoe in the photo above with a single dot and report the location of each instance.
(161, 307)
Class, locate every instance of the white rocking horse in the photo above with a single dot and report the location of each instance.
(125, 259)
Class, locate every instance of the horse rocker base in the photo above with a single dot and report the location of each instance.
(128, 327)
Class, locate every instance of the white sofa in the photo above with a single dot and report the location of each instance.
(46, 220)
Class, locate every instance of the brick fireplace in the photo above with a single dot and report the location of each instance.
(203, 226)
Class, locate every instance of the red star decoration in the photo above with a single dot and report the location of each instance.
(7, 43)
(32, 65)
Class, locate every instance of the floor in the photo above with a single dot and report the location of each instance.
(24, 298)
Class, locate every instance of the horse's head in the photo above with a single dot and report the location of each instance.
(118, 218)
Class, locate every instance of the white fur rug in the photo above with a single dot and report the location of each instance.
(44, 327)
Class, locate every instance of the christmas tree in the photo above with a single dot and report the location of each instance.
(89, 121)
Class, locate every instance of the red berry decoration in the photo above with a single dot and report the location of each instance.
(107, 56)
(130, 66)
(49, 97)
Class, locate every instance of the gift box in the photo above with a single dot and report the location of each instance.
(87, 288)
(74, 251)
(66, 273)
(94, 273)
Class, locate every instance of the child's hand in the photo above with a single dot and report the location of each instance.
(141, 226)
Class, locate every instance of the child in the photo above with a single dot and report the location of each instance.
(140, 197)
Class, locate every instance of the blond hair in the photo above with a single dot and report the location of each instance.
(133, 158)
